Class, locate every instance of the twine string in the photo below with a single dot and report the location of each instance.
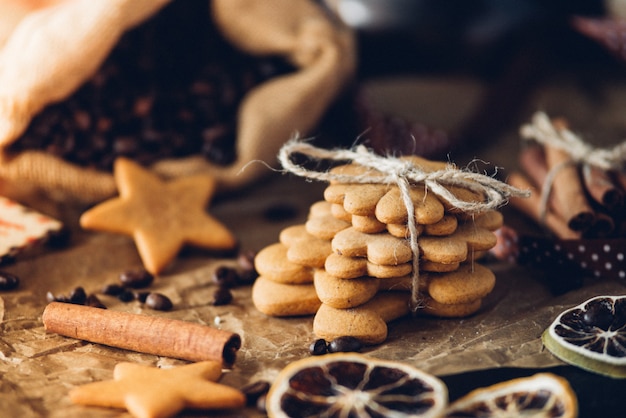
(543, 131)
(403, 173)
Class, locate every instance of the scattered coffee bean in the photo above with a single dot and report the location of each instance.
(247, 273)
(94, 302)
(141, 296)
(226, 276)
(126, 295)
(318, 347)
(136, 279)
(345, 344)
(8, 281)
(158, 302)
(78, 296)
(51, 297)
(113, 289)
(253, 391)
(222, 296)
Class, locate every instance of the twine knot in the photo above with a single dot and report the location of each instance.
(403, 173)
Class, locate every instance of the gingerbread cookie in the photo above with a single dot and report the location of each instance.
(356, 199)
(446, 226)
(343, 294)
(455, 248)
(391, 209)
(380, 248)
(367, 322)
(272, 262)
(470, 282)
(456, 310)
(148, 392)
(303, 248)
(350, 267)
(161, 216)
(281, 299)
(321, 223)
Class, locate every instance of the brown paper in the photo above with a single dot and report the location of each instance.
(39, 368)
(52, 50)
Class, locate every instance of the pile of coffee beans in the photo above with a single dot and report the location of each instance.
(170, 88)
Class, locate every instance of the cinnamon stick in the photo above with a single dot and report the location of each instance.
(603, 189)
(142, 333)
(568, 198)
(531, 207)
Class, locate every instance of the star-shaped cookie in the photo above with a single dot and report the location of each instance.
(161, 216)
(150, 392)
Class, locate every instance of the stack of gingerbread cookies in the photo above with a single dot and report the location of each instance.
(352, 266)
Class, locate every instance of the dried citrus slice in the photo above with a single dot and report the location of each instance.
(344, 385)
(543, 395)
(591, 336)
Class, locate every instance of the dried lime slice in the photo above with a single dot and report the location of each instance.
(591, 336)
(344, 385)
(543, 395)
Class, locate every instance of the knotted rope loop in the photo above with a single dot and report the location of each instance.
(403, 173)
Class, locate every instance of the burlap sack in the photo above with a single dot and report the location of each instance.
(48, 48)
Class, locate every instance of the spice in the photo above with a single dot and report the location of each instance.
(142, 333)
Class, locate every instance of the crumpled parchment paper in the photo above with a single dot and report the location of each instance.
(39, 368)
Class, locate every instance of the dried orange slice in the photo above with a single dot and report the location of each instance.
(542, 395)
(344, 385)
(591, 336)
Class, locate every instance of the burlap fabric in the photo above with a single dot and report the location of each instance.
(48, 48)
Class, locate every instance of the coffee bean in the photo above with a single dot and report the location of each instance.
(8, 281)
(158, 302)
(226, 276)
(136, 279)
(141, 296)
(222, 296)
(248, 273)
(345, 344)
(94, 302)
(51, 297)
(318, 347)
(112, 289)
(78, 296)
(253, 391)
(126, 296)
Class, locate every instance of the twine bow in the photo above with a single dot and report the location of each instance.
(543, 131)
(403, 173)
